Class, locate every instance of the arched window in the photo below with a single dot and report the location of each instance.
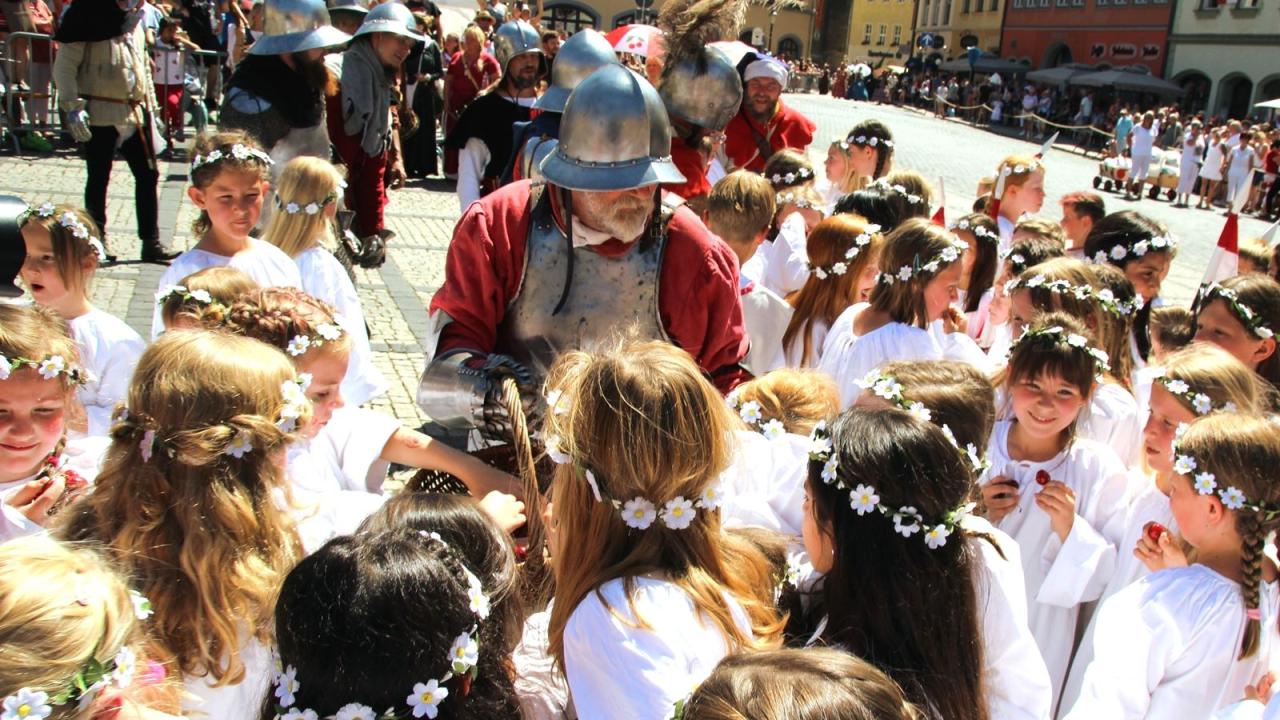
(569, 17)
(789, 47)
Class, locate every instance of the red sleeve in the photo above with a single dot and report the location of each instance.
(699, 302)
(690, 163)
(483, 269)
(797, 130)
(739, 145)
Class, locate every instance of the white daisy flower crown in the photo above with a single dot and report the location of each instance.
(198, 296)
(464, 659)
(1251, 320)
(242, 153)
(907, 520)
(1058, 335)
(1105, 298)
(1157, 243)
(49, 367)
(790, 178)
(979, 231)
(861, 140)
(1199, 403)
(84, 686)
(1021, 168)
(311, 208)
(1206, 483)
(751, 413)
(901, 190)
(949, 254)
(325, 333)
(822, 272)
(638, 513)
(787, 198)
(889, 389)
(69, 221)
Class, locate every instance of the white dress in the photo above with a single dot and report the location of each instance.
(618, 670)
(959, 347)
(323, 276)
(817, 338)
(262, 261)
(82, 455)
(786, 265)
(340, 456)
(764, 485)
(1212, 168)
(1189, 164)
(1113, 418)
(109, 349)
(848, 357)
(1166, 647)
(1062, 575)
(1241, 162)
(766, 316)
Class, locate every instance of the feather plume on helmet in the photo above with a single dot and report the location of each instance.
(699, 84)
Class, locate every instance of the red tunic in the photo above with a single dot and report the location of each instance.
(788, 128)
(698, 300)
(693, 166)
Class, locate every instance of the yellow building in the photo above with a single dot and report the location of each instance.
(879, 32)
(960, 24)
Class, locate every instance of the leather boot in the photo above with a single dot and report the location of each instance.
(155, 251)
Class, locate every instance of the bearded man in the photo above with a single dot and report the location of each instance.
(537, 270)
(483, 134)
(764, 124)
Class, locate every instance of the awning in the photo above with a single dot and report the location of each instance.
(1058, 75)
(986, 64)
(1131, 79)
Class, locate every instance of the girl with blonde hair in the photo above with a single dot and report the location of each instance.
(72, 638)
(40, 468)
(202, 299)
(864, 154)
(648, 595)
(192, 503)
(843, 252)
(1190, 641)
(1018, 190)
(307, 195)
(63, 253)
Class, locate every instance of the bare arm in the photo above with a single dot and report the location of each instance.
(412, 448)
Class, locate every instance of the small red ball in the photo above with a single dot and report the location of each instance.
(1155, 530)
(1042, 477)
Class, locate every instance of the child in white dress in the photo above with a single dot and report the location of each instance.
(1062, 498)
(650, 593)
(1026, 253)
(1193, 382)
(1186, 642)
(63, 252)
(979, 268)
(863, 155)
(1018, 190)
(229, 174)
(40, 469)
(919, 279)
(1242, 315)
(306, 206)
(202, 299)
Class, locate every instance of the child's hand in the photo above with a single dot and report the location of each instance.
(484, 479)
(954, 321)
(1059, 501)
(1262, 691)
(1000, 497)
(1160, 554)
(37, 498)
(505, 509)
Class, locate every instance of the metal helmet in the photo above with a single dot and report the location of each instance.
(295, 26)
(515, 38)
(614, 135)
(703, 90)
(391, 17)
(579, 56)
(354, 6)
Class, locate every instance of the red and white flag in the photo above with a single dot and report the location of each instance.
(1225, 261)
(1269, 237)
(1048, 145)
(940, 217)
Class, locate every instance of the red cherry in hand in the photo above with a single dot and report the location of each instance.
(1042, 477)
(1154, 530)
(522, 552)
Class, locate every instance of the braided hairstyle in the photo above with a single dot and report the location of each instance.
(868, 129)
(224, 284)
(277, 315)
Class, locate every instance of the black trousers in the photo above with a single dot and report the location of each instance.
(100, 151)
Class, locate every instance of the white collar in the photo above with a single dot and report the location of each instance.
(584, 236)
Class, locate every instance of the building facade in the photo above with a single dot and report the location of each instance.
(1226, 56)
(1108, 33)
(961, 24)
(880, 31)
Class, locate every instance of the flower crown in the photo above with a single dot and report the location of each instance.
(978, 231)
(901, 190)
(83, 687)
(1252, 321)
(69, 221)
(50, 367)
(1157, 243)
(888, 388)
(240, 152)
(1200, 403)
(464, 659)
(1104, 297)
(822, 272)
(197, 296)
(946, 256)
(1021, 168)
(325, 332)
(752, 415)
(788, 198)
(1206, 483)
(907, 520)
(802, 173)
(1057, 335)
(311, 208)
(846, 142)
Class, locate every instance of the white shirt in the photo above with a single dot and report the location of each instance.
(848, 357)
(109, 349)
(1062, 575)
(817, 338)
(1143, 139)
(617, 670)
(1166, 647)
(764, 484)
(1243, 159)
(766, 316)
(1113, 418)
(787, 259)
(322, 276)
(82, 455)
(168, 68)
(472, 160)
(262, 261)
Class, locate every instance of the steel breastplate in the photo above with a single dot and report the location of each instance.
(531, 154)
(606, 297)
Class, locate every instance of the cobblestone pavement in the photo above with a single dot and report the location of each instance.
(396, 296)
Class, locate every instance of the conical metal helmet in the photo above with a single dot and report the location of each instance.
(515, 38)
(296, 26)
(703, 90)
(614, 135)
(579, 56)
(391, 17)
(355, 6)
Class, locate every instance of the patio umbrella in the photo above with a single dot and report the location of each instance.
(1131, 79)
(1270, 104)
(735, 50)
(1058, 75)
(633, 39)
(986, 65)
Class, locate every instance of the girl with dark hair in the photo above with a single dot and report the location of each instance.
(1241, 315)
(1144, 250)
(864, 154)
(978, 269)
(1025, 252)
(889, 202)
(1060, 497)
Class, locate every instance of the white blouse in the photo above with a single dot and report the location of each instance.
(817, 338)
(265, 263)
(109, 349)
(848, 357)
(786, 264)
(764, 485)
(1113, 419)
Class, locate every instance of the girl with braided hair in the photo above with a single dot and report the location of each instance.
(40, 470)
(864, 154)
(1187, 642)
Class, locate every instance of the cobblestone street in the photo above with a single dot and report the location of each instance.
(395, 297)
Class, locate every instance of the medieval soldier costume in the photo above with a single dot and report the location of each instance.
(532, 273)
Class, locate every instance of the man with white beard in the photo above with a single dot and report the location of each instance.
(536, 270)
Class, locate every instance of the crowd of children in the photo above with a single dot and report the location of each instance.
(982, 472)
